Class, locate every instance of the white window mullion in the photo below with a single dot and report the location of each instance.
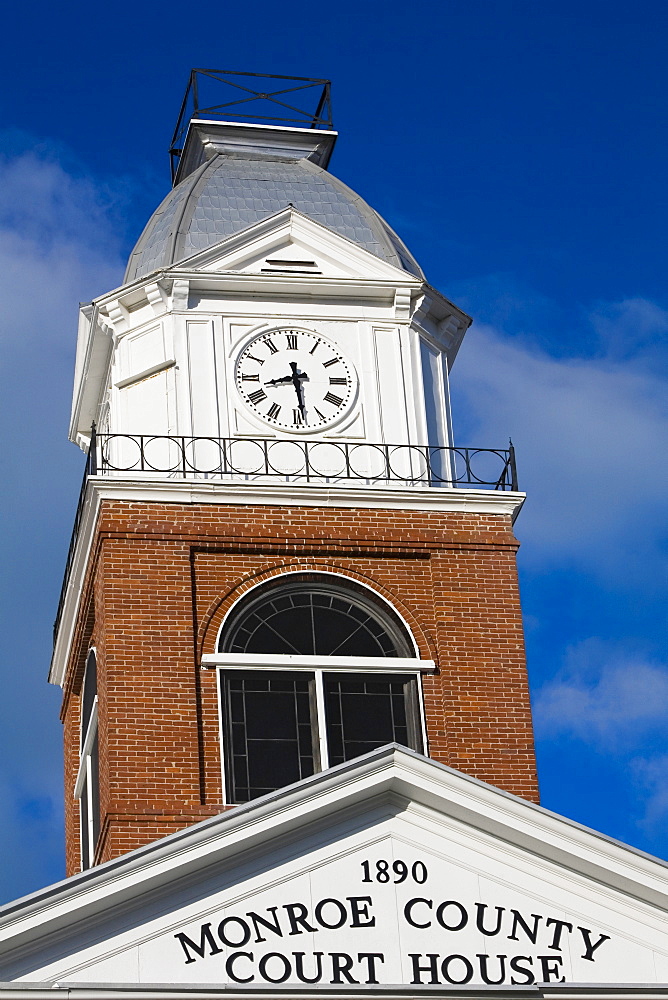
(89, 797)
(322, 721)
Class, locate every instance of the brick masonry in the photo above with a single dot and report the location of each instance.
(160, 581)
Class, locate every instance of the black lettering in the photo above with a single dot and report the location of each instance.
(589, 947)
(299, 966)
(229, 966)
(359, 911)
(558, 930)
(341, 966)
(408, 911)
(273, 411)
(445, 969)
(270, 344)
(463, 915)
(257, 396)
(532, 934)
(331, 397)
(516, 967)
(551, 966)
(206, 937)
(297, 914)
(484, 972)
(370, 959)
(319, 917)
(480, 919)
(432, 969)
(264, 961)
(245, 932)
(274, 927)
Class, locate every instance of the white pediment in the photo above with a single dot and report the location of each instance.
(388, 870)
(292, 244)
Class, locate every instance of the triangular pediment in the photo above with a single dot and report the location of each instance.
(290, 244)
(390, 869)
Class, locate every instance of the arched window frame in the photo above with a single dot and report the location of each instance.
(317, 667)
(87, 784)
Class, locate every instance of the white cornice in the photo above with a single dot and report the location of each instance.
(390, 776)
(249, 494)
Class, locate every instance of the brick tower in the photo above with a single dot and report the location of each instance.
(280, 560)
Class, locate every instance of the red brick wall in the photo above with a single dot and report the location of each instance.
(160, 581)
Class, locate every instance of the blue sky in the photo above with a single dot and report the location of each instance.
(520, 150)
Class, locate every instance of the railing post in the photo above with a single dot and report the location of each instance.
(92, 451)
(513, 466)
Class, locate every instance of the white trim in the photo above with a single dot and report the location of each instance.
(321, 715)
(249, 492)
(347, 664)
(86, 750)
(146, 373)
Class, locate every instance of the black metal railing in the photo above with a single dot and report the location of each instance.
(147, 457)
(261, 98)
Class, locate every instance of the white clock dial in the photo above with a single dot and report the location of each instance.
(295, 379)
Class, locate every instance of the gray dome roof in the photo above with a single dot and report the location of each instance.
(233, 191)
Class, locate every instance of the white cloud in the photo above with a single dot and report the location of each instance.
(606, 697)
(58, 245)
(590, 435)
(651, 777)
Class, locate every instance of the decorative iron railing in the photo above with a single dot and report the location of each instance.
(147, 456)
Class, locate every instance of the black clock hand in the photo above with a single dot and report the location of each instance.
(280, 381)
(297, 379)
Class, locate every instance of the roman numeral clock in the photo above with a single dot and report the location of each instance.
(295, 379)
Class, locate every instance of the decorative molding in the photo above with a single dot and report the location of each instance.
(402, 304)
(180, 294)
(119, 316)
(157, 298)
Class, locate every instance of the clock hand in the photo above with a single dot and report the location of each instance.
(297, 379)
(280, 381)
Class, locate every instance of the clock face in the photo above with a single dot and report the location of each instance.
(295, 379)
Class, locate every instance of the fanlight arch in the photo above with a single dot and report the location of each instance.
(318, 614)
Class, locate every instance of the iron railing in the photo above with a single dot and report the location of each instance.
(150, 457)
(262, 98)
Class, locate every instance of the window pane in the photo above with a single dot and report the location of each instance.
(270, 738)
(366, 712)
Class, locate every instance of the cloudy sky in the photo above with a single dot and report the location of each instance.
(519, 148)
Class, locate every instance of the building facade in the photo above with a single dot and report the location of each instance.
(298, 745)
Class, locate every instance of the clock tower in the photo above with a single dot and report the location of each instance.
(281, 560)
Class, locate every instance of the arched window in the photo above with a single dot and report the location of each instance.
(87, 786)
(313, 672)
